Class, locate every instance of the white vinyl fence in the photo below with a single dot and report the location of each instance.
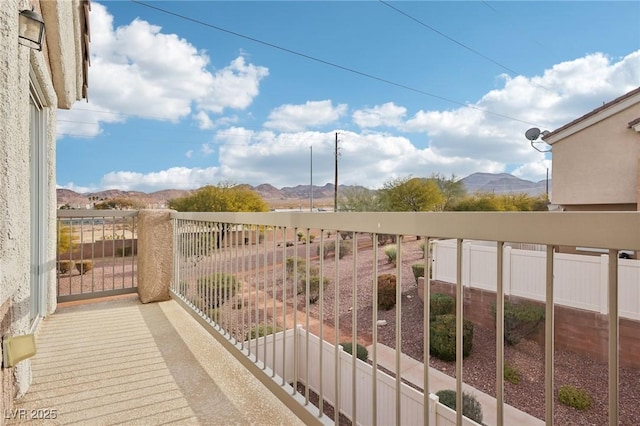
(579, 281)
(411, 402)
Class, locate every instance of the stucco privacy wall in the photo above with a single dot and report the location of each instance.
(155, 255)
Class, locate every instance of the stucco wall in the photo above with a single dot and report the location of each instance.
(598, 165)
(15, 185)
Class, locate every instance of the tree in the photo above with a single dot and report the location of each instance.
(452, 190)
(411, 194)
(224, 197)
(487, 201)
(358, 199)
(119, 203)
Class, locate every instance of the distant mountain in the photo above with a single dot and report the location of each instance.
(296, 195)
(502, 183)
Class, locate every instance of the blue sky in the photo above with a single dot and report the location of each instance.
(202, 92)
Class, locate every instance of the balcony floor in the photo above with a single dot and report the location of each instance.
(120, 361)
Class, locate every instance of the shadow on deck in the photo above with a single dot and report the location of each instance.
(120, 361)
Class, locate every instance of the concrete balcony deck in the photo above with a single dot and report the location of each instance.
(119, 361)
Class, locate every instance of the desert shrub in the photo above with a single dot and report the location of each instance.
(386, 291)
(574, 397)
(311, 237)
(314, 287)
(511, 375)
(65, 266)
(84, 266)
(442, 335)
(391, 251)
(300, 235)
(124, 251)
(261, 330)
(471, 408)
(345, 235)
(361, 352)
(290, 263)
(314, 278)
(441, 304)
(520, 320)
(418, 270)
(422, 248)
(330, 247)
(386, 239)
(214, 290)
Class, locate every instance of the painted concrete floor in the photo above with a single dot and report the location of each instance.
(122, 362)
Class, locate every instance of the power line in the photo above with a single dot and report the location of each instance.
(459, 43)
(329, 63)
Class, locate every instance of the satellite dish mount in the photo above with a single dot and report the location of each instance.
(533, 134)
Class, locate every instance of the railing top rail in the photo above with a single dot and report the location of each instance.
(610, 230)
(81, 213)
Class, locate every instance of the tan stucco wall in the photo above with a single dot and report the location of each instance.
(64, 43)
(15, 185)
(598, 165)
(155, 255)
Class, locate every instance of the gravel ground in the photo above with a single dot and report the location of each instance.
(479, 368)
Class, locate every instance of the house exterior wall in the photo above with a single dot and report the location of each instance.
(597, 168)
(21, 65)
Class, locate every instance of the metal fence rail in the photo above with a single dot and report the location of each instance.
(96, 253)
(249, 275)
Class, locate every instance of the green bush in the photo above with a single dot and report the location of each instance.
(330, 247)
(261, 331)
(361, 352)
(392, 252)
(386, 239)
(511, 375)
(214, 290)
(442, 335)
(418, 270)
(471, 408)
(574, 397)
(422, 248)
(290, 262)
(386, 291)
(84, 266)
(300, 235)
(124, 251)
(314, 278)
(441, 304)
(520, 320)
(65, 266)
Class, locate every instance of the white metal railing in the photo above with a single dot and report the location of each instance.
(580, 281)
(96, 253)
(231, 270)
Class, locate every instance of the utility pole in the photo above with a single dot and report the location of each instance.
(335, 189)
(311, 179)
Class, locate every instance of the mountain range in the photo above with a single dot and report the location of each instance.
(297, 195)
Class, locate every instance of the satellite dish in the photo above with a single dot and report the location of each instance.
(532, 134)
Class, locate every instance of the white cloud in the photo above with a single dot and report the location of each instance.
(174, 178)
(388, 114)
(296, 118)
(137, 70)
(189, 153)
(459, 141)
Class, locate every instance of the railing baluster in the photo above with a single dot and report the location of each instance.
(321, 324)
(336, 320)
(499, 334)
(549, 339)
(354, 327)
(459, 332)
(284, 305)
(614, 338)
(374, 303)
(399, 239)
(426, 306)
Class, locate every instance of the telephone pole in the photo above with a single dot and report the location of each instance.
(335, 189)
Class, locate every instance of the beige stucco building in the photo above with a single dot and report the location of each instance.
(34, 84)
(596, 158)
